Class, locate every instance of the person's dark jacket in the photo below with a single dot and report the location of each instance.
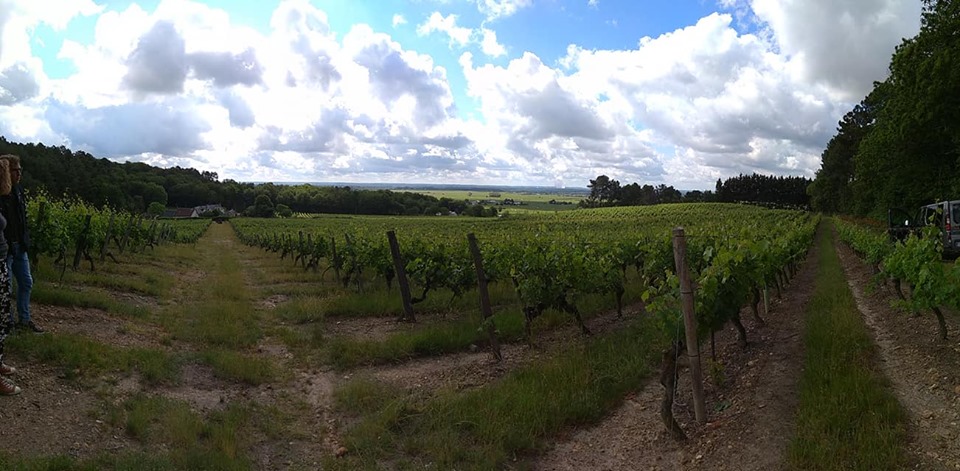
(14, 207)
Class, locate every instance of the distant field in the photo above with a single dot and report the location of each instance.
(531, 201)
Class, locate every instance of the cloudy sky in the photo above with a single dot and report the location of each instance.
(525, 92)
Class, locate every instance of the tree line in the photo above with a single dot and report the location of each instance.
(134, 186)
(767, 190)
(899, 147)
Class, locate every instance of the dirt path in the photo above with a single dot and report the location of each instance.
(923, 370)
(750, 412)
(58, 415)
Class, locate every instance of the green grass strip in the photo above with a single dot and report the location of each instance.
(455, 335)
(437, 338)
(90, 298)
(487, 427)
(848, 417)
(235, 366)
(80, 356)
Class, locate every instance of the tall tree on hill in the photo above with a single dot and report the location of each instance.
(766, 189)
(832, 189)
(910, 157)
(603, 191)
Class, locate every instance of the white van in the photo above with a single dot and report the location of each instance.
(945, 215)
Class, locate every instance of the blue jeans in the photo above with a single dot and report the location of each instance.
(18, 265)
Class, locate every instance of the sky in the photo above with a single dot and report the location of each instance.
(501, 92)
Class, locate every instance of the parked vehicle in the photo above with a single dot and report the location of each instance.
(945, 215)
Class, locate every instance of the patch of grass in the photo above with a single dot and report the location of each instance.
(217, 311)
(363, 396)
(235, 366)
(80, 356)
(229, 324)
(376, 301)
(455, 335)
(130, 461)
(435, 338)
(195, 442)
(126, 277)
(486, 427)
(271, 287)
(301, 310)
(297, 338)
(848, 418)
(44, 293)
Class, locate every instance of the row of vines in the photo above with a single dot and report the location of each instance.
(554, 260)
(69, 228)
(916, 261)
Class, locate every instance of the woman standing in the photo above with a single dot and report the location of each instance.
(7, 386)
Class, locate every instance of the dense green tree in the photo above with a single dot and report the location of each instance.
(603, 191)
(832, 188)
(156, 209)
(668, 194)
(910, 155)
(283, 210)
(765, 189)
(262, 206)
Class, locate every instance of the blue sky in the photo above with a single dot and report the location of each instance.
(542, 92)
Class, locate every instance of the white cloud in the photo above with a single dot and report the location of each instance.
(845, 45)
(398, 20)
(461, 36)
(447, 25)
(501, 8)
(489, 44)
(683, 107)
(593, 3)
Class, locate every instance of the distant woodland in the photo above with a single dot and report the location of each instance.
(134, 186)
(767, 190)
(899, 147)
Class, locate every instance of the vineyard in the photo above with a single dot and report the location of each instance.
(554, 260)
(71, 229)
(342, 342)
(915, 263)
(561, 262)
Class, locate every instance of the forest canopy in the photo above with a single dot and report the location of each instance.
(899, 147)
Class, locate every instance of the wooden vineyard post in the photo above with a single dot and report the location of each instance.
(300, 251)
(484, 297)
(126, 234)
(106, 238)
(140, 230)
(151, 239)
(689, 322)
(41, 222)
(82, 243)
(401, 270)
(335, 260)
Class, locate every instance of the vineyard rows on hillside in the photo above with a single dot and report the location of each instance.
(293, 332)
